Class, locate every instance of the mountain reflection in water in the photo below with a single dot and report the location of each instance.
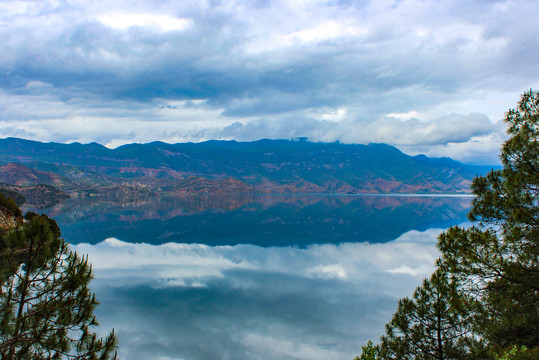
(255, 277)
(263, 220)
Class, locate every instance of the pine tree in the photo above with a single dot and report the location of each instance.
(486, 286)
(368, 352)
(46, 306)
(496, 260)
(434, 324)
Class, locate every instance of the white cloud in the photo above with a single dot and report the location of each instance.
(455, 128)
(164, 22)
(263, 64)
(36, 84)
(471, 138)
(188, 264)
(244, 301)
(478, 150)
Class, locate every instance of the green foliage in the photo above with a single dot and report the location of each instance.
(10, 204)
(483, 300)
(16, 196)
(434, 324)
(517, 353)
(496, 261)
(46, 306)
(368, 352)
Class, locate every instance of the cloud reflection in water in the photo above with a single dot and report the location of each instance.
(191, 301)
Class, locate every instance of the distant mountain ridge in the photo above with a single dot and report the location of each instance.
(264, 166)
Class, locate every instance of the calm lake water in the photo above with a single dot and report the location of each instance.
(255, 277)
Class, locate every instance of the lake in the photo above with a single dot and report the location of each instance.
(255, 277)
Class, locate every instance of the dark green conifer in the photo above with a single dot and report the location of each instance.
(488, 290)
(497, 260)
(46, 306)
(433, 324)
(368, 352)
(9, 204)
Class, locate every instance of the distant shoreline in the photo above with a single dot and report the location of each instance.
(337, 194)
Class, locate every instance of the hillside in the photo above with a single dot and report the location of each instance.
(265, 166)
(19, 175)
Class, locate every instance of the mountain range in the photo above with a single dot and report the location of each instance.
(264, 166)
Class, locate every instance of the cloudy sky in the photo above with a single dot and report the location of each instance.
(192, 301)
(433, 77)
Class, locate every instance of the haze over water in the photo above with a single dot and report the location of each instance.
(255, 277)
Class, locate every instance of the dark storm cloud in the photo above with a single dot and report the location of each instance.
(221, 54)
(266, 61)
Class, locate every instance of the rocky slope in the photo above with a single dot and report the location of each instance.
(19, 175)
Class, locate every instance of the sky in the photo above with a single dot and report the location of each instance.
(431, 77)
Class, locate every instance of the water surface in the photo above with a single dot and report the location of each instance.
(265, 220)
(263, 277)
